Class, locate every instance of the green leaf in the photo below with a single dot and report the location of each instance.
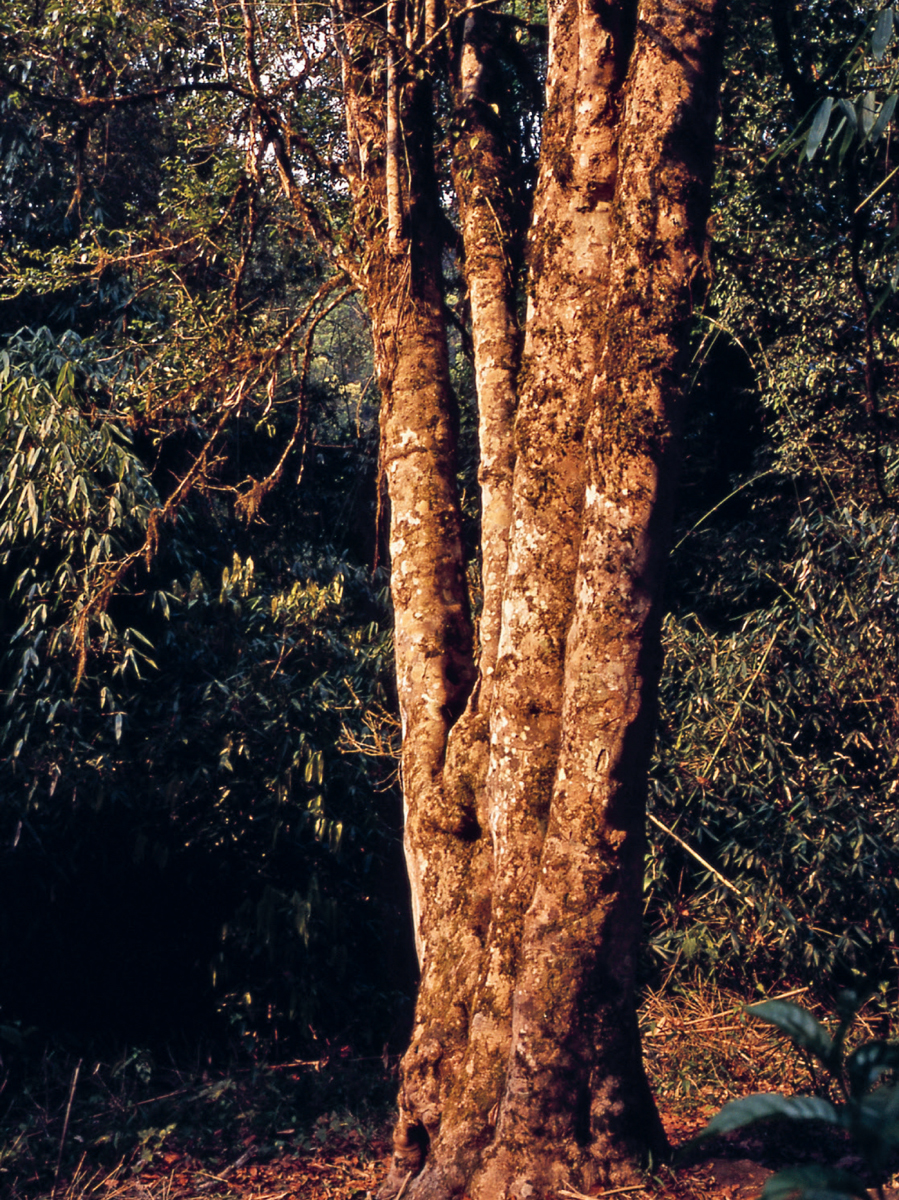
(876, 1118)
(883, 31)
(31, 500)
(849, 1002)
(819, 128)
(849, 132)
(883, 117)
(65, 382)
(750, 1109)
(847, 108)
(9, 1033)
(866, 1063)
(867, 108)
(798, 1024)
(815, 1182)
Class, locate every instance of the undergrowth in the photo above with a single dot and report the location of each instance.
(701, 1047)
(149, 1127)
(81, 1126)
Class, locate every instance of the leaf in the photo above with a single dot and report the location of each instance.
(867, 107)
(866, 1063)
(750, 1109)
(883, 31)
(31, 499)
(799, 1025)
(136, 633)
(65, 381)
(813, 1181)
(819, 128)
(847, 108)
(876, 1118)
(887, 293)
(849, 1002)
(884, 117)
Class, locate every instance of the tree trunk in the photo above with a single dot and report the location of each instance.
(525, 755)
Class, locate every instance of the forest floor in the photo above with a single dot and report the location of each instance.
(135, 1130)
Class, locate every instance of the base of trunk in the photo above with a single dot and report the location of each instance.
(520, 1164)
(538, 1171)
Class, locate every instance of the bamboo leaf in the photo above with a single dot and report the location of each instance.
(867, 107)
(883, 117)
(847, 108)
(883, 32)
(819, 128)
(31, 500)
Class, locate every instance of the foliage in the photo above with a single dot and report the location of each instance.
(777, 757)
(865, 120)
(197, 761)
(73, 494)
(869, 1108)
(177, 256)
(778, 735)
(180, 689)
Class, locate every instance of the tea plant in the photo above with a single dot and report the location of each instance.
(867, 1105)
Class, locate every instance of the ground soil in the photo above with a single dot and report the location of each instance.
(701, 1049)
(729, 1169)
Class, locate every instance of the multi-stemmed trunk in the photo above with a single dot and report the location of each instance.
(526, 734)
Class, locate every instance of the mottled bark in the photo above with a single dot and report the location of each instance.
(525, 779)
(575, 1079)
(569, 256)
(433, 633)
(392, 185)
(482, 176)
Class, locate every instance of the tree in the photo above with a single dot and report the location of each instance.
(525, 749)
(526, 702)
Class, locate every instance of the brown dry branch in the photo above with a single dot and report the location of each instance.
(247, 504)
(260, 371)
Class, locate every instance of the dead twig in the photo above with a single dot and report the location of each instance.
(65, 1126)
(573, 1195)
(220, 1178)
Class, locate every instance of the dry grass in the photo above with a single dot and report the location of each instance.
(104, 1133)
(702, 1048)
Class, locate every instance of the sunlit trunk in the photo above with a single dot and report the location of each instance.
(526, 744)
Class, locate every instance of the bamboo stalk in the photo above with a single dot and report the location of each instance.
(747, 900)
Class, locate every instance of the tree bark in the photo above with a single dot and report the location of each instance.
(525, 755)
(434, 642)
(575, 1078)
